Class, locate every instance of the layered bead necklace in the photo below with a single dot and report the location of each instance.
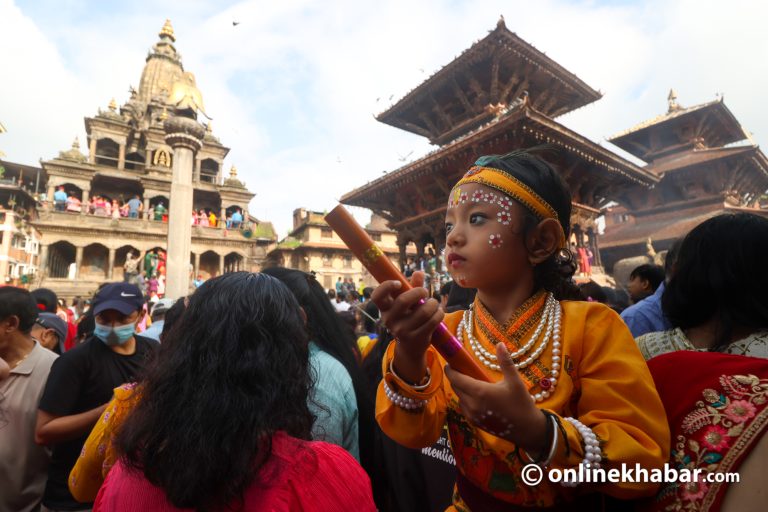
(550, 323)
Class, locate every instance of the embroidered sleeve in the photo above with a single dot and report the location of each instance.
(412, 428)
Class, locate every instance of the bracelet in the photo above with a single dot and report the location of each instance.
(416, 387)
(592, 452)
(409, 404)
(552, 447)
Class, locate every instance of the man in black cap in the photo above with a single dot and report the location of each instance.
(81, 382)
(50, 331)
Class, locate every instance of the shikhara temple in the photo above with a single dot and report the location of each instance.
(503, 94)
(128, 156)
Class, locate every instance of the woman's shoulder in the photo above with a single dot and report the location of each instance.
(706, 363)
(323, 475)
(327, 366)
(299, 454)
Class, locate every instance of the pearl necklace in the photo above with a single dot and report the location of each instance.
(551, 317)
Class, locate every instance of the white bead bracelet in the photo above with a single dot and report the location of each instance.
(592, 452)
(409, 404)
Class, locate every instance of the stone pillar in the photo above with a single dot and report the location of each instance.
(197, 265)
(121, 157)
(221, 265)
(84, 202)
(111, 265)
(146, 208)
(78, 261)
(51, 191)
(92, 151)
(42, 262)
(198, 164)
(223, 218)
(184, 135)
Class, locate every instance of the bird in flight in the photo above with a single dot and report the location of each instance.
(235, 23)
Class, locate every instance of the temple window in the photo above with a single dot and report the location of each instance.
(107, 152)
(61, 256)
(326, 232)
(209, 170)
(135, 161)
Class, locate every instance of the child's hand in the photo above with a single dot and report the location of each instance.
(410, 322)
(505, 409)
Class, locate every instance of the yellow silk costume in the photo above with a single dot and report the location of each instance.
(98, 454)
(604, 382)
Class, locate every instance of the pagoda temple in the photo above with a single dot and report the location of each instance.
(706, 163)
(85, 242)
(500, 94)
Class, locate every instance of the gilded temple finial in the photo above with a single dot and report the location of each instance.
(167, 31)
(209, 127)
(76, 143)
(233, 172)
(113, 105)
(501, 23)
(164, 114)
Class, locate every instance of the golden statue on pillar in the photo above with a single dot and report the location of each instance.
(186, 97)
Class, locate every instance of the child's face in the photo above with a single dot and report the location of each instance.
(485, 242)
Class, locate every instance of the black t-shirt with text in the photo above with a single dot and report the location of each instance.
(80, 380)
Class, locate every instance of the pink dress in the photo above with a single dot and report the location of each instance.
(299, 476)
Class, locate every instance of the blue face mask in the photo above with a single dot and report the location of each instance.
(114, 335)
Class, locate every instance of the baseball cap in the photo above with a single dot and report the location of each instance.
(162, 306)
(51, 321)
(123, 297)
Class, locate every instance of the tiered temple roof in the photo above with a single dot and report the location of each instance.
(485, 79)
(709, 125)
(499, 95)
(707, 165)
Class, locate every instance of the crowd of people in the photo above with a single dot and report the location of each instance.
(260, 392)
(133, 208)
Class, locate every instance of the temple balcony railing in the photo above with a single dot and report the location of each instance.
(126, 226)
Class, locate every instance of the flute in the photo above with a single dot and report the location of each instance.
(382, 269)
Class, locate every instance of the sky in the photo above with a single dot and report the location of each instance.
(293, 88)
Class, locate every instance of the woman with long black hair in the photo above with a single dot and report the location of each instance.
(223, 423)
(338, 400)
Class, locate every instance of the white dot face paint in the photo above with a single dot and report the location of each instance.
(504, 217)
(495, 241)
